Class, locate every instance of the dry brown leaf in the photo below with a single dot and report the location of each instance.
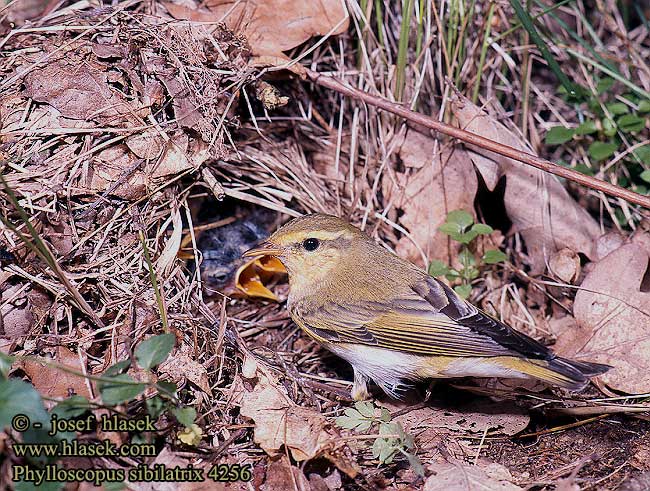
(565, 264)
(616, 319)
(459, 476)
(500, 417)
(435, 183)
(279, 477)
(179, 366)
(279, 422)
(268, 33)
(538, 205)
(146, 145)
(119, 170)
(51, 381)
(23, 306)
(81, 91)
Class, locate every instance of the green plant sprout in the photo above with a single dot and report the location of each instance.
(611, 122)
(115, 387)
(391, 439)
(461, 228)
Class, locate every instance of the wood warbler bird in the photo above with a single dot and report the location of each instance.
(392, 321)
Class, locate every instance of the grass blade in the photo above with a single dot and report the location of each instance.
(527, 22)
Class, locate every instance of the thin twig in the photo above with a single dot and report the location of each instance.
(480, 141)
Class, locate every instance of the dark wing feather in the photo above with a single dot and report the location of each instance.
(431, 320)
(479, 322)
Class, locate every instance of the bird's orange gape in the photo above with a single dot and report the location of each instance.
(392, 321)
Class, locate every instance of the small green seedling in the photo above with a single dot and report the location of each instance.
(611, 122)
(391, 439)
(461, 228)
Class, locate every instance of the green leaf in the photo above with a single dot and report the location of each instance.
(587, 128)
(585, 169)
(482, 228)
(609, 127)
(155, 406)
(352, 413)
(5, 364)
(387, 454)
(438, 268)
(346, 422)
(71, 407)
(604, 84)
(450, 228)
(617, 108)
(466, 258)
(185, 415)
(601, 150)
(154, 350)
(558, 135)
(120, 388)
(452, 275)
(18, 397)
(364, 425)
(493, 256)
(630, 123)
(463, 291)
(644, 106)
(645, 175)
(467, 237)
(643, 154)
(366, 409)
(378, 445)
(463, 218)
(167, 388)
(119, 367)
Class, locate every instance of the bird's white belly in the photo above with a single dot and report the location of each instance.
(389, 368)
(378, 363)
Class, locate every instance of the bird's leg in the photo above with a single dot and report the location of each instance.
(360, 386)
(429, 391)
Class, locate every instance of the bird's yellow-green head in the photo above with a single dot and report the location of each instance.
(311, 247)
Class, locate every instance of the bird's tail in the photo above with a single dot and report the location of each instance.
(570, 374)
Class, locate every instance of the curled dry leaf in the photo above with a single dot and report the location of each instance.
(435, 181)
(118, 170)
(268, 33)
(81, 91)
(280, 422)
(612, 309)
(538, 205)
(179, 366)
(52, 381)
(21, 308)
(565, 264)
(460, 476)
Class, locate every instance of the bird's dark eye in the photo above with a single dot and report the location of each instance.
(311, 244)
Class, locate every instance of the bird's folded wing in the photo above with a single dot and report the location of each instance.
(432, 320)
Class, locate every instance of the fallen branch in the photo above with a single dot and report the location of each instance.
(474, 139)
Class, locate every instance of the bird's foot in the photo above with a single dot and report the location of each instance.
(429, 391)
(360, 387)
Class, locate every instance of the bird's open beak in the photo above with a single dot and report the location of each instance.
(264, 249)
